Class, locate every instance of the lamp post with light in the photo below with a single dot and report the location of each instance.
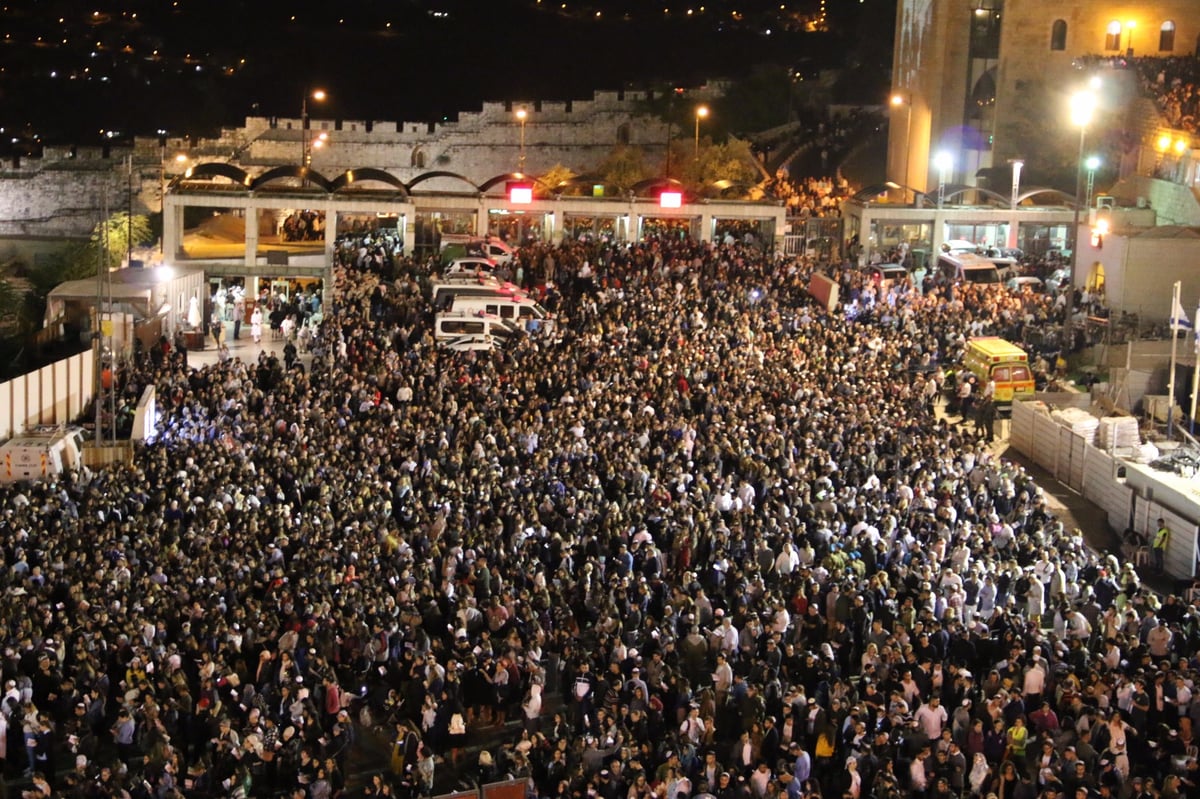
(319, 96)
(1017, 166)
(898, 100)
(701, 113)
(522, 115)
(1083, 106)
(1092, 163)
(943, 162)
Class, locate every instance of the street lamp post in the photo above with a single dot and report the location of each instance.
(1092, 163)
(701, 113)
(906, 101)
(522, 115)
(1017, 166)
(318, 95)
(1083, 105)
(943, 162)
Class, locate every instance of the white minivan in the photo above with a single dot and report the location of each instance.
(463, 330)
(522, 310)
(472, 266)
(443, 292)
(967, 267)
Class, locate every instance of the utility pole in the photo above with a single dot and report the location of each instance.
(97, 349)
(129, 218)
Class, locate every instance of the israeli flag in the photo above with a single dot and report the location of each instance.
(1179, 317)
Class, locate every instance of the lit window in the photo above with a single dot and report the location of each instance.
(1112, 36)
(1166, 37)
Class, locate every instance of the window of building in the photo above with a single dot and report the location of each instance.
(418, 158)
(623, 135)
(1058, 35)
(1166, 37)
(1112, 36)
(985, 30)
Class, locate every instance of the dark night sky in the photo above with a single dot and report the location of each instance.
(69, 71)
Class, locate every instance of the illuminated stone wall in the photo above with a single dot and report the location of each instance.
(1033, 81)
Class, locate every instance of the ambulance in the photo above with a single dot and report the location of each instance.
(993, 358)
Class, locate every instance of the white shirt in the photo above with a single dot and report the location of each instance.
(1035, 680)
(932, 720)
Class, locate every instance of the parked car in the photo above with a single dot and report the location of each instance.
(1021, 282)
(959, 245)
(1057, 279)
(886, 274)
(471, 266)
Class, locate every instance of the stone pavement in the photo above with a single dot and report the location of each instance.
(242, 347)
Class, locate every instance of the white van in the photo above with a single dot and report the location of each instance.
(462, 330)
(443, 292)
(521, 310)
(967, 267)
(472, 266)
(498, 250)
(41, 452)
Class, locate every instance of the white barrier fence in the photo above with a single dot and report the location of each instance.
(55, 394)
(1094, 473)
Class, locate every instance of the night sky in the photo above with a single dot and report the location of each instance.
(80, 73)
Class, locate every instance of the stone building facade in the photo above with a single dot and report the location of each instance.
(987, 81)
(64, 193)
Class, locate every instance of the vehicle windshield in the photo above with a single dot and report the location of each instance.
(982, 276)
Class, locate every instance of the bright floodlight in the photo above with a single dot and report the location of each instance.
(701, 111)
(319, 94)
(1092, 163)
(1181, 146)
(897, 99)
(1083, 105)
(943, 161)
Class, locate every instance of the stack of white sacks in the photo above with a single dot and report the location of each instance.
(1078, 421)
(1118, 432)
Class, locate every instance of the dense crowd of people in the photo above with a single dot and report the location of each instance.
(700, 537)
(1174, 83)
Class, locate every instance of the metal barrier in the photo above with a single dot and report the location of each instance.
(508, 789)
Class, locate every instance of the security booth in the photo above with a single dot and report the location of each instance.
(519, 209)
(520, 225)
(430, 223)
(365, 223)
(876, 226)
(662, 226)
(755, 231)
(583, 226)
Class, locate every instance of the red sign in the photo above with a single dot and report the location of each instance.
(520, 193)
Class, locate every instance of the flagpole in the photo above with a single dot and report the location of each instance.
(1171, 377)
(1195, 371)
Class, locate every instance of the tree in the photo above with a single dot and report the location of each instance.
(623, 168)
(116, 236)
(555, 177)
(720, 166)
